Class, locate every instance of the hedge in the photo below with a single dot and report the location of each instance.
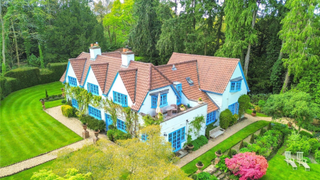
(21, 78)
(93, 123)
(199, 142)
(209, 128)
(115, 134)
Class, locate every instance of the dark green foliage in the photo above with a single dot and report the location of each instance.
(229, 153)
(208, 129)
(225, 118)
(199, 142)
(115, 134)
(261, 103)
(255, 98)
(93, 123)
(111, 127)
(277, 76)
(262, 131)
(243, 150)
(245, 144)
(281, 127)
(269, 126)
(47, 96)
(26, 77)
(7, 85)
(241, 145)
(255, 137)
(222, 164)
(203, 176)
(314, 144)
(74, 28)
(244, 103)
(252, 139)
(234, 152)
(305, 133)
(57, 69)
(63, 101)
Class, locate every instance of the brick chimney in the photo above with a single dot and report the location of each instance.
(127, 55)
(95, 50)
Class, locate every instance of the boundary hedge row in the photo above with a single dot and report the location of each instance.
(21, 78)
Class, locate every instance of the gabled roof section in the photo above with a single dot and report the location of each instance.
(184, 70)
(158, 80)
(100, 72)
(77, 65)
(214, 72)
(116, 54)
(129, 78)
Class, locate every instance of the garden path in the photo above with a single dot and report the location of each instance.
(73, 124)
(229, 132)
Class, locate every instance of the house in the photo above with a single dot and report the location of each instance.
(138, 85)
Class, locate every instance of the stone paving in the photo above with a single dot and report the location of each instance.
(73, 124)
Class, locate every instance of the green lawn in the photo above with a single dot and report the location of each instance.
(278, 169)
(249, 111)
(206, 158)
(26, 130)
(26, 174)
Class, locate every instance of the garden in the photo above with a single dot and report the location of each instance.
(26, 130)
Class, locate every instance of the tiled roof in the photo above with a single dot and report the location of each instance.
(214, 72)
(100, 72)
(184, 70)
(77, 65)
(148, 78)
(129, 80)
(116, 54)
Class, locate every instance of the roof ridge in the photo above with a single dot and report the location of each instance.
(108, 57)
(73, 59)
(209, 56)
(123, 70)
(102, 63)
(183, 62)
(161, 74)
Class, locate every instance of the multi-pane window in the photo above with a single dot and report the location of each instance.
(72, 81)
(120, 99)
(234, 108)
(176, 138)
(144, 137)
(235, 86)
(211, 117)
(121, 125)
(74, 103)
(96, 113)
(93, 88)
(163, 101)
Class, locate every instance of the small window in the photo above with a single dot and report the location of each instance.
(93, 89)
(235, 86)
(96, 113)
(74, 103)
(121, 125)
(144, 137)
(163, 101)
(72, 81)
(238, 86)
(189, 81)
(154, 101)
(211, 117)
(120, 99)
(234, 108)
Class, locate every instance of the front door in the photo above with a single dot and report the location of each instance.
(176, 138)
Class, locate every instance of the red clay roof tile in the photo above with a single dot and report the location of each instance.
(100, 72)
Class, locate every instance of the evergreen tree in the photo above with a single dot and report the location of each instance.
(74, 29)
(252, 139)
(146, 32)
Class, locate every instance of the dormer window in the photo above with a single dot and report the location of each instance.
(235, 85)
(189, 81)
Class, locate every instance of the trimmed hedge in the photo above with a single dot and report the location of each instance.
(305, 133)
(115, 134)
(21, 78)
(93, 123)
(208, 129)
(67, 110)
(200, 141)
(226, 118)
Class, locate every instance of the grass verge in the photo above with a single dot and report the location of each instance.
(206, 158)
(278, 169)
(249, 111)
(28, 131)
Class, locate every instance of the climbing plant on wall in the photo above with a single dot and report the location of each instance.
(196, 124)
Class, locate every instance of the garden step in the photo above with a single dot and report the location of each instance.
(221, 176)
(218, 173)
(210, 169)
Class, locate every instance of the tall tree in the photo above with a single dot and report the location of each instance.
(240, 32)
(146, 32)
(301, 37)
(74, 28)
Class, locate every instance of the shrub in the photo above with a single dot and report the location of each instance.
(222, 164)
(305, 133)
(297, 143)
(314, 144)
(229, 153)
(247, 165)
(116, 134)
(257, 109)
(94, 123)
(203, 176)
(245, 144)
(63, 101)
(244, 103)
(208, 129)
(261, 103)
(256, 97)
(199, 142)
(67, 110)
(111, 127)
(255, 136)
(252, 139)
(317, 156)
(234, 119)
(241, 145)
(262, 131)
(226, 118)
(269, 127)
(243, 150)
(233, 152)
(7, 85)
(307, 159)
(254, 148)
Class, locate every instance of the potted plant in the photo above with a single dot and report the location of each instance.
(182, 108)
(254, 113)
(199, 166)
(96, 132)
(290, 124)
(84, 125)
(42, 101)
(189, 144)
(62, 90)
(200, 100)
(218, 153)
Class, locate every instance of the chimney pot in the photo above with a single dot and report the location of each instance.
(91, 45)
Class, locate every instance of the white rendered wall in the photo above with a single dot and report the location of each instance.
(71, 74)
(146, 106)
(119, 87)
(178, 122)
(217, 99)
(228, 97)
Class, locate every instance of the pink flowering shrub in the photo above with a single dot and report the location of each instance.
(248, 165)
